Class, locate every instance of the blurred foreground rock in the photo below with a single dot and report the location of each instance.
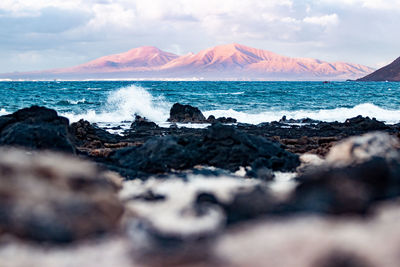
(36, 128)
(55, 198)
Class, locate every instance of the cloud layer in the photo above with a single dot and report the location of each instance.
(44, 34)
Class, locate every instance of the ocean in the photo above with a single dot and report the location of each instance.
(112, 103)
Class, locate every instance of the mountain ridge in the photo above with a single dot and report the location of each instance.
(390, 72)
(223, 62)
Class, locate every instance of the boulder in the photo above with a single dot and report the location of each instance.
(362, 148)
(186, 113)
(357, 172)
(47, 197)
(86, 133)
(36, 128)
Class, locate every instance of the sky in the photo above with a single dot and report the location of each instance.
(45, 34)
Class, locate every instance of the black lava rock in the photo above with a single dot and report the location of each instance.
(349, 189)
(185, 114)
(84, 132)
(36, 128)
(220, 146)
(142, 123)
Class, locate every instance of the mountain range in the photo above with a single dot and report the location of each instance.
(224, 62)
(390, 73)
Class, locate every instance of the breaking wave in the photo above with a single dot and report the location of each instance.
(329, 115)
(123, 104)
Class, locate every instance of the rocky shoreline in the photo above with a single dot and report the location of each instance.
(228, 194)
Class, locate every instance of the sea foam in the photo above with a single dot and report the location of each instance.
(122, 105)
(329, 115)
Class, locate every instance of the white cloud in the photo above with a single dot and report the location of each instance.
(325, 20)
(81, 30)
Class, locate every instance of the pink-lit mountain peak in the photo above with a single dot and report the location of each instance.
(145, 56)
(230, 56)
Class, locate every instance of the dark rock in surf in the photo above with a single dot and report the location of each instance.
(36, 128)
(186, 113)
(212, 119)
(305, 120)
(143, 124)
(365, 123)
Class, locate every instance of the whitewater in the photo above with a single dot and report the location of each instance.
(117, 103)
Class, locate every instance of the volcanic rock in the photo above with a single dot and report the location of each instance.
(185, 114)
(358, 171)
(143, 123)
(86, 133)
(219, 146)
(365, 123)
(54, 198)
(212, 119)
(36, 128)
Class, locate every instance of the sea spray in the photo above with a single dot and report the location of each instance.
(124, 103)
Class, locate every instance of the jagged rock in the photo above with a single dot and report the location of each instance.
(212, 119)
(228, 148)
(185, 114)
(36, 128)
(365, 123)
(86, 133)
(54, 198)
(143, 123)
(304, 120)
(220, 146)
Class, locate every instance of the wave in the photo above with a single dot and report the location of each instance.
(71, 102)
(329, 115)
(3, 112)
(211, 94)
(124, 103)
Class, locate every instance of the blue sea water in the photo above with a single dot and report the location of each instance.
(113, 102)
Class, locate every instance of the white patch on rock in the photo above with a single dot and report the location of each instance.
(175, 214)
